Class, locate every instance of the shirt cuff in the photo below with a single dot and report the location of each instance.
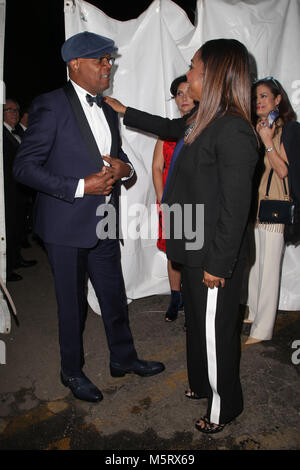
(80, 189)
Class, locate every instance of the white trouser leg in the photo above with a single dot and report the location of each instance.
(254, 281)
(264, 282)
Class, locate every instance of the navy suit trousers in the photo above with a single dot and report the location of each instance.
(71, 266)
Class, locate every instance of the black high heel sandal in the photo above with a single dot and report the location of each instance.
(176, 304)
(191, 395)
(209, 427)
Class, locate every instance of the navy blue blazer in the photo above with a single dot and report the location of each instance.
(57, 150)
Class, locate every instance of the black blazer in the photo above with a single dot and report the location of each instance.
(291, 141)
(166, 128)
(10, 148)
(216, 170)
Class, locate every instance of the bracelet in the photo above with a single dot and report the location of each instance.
(132, 171)
(269, 149)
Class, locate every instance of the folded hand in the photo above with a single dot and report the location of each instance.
(213, 281)
(100, 183)
(119, 169)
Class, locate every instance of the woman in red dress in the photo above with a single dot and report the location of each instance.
(161, 161)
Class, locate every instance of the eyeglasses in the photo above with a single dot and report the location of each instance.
(110, 60)
(267, 79)
(11, 110)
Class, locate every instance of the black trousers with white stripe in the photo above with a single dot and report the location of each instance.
(213, 342)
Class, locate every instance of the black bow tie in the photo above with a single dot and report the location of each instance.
(98, 99)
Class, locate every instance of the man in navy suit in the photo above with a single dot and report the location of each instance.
(71, 155)
(15, 195)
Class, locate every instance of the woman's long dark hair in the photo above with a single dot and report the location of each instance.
(226, 84)
(286, 112)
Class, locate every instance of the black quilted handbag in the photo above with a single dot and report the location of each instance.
(274, 211)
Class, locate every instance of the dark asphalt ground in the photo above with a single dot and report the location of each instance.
(137, 414)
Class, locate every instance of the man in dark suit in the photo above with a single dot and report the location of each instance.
(15, 200)
(71, 154)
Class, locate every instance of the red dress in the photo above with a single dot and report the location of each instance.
(168, 148)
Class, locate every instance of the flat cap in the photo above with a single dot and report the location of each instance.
(86, 45)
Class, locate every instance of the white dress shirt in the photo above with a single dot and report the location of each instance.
(101, 131)
(99, 128)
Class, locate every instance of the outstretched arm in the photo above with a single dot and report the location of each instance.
(164, 128)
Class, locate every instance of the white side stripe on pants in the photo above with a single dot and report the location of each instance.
(211, 309)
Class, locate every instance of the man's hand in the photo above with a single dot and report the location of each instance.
(115, 104)
(100, 183)
(119, 169)
(212, 281)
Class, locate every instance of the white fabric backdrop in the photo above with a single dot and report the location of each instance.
(5, 323)
(154, 49)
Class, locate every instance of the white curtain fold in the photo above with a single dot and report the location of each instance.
(5, 321)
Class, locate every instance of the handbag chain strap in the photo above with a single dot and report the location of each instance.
(269, 184)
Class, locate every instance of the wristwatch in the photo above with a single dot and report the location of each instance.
(132, 171)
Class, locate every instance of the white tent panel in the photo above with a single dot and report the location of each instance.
(155, 48)
(5, 323)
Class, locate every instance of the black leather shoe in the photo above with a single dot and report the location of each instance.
(139, 367)
(14, 277)
(23, 263)
(82, 388)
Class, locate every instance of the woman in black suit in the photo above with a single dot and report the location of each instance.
(213, 170)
